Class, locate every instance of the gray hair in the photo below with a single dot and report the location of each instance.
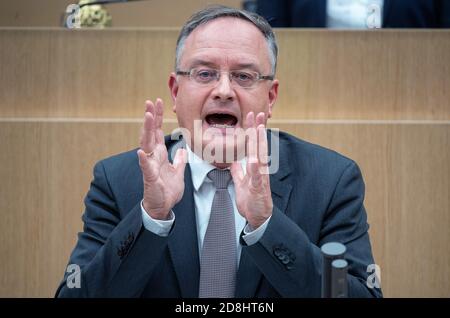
(214, 12)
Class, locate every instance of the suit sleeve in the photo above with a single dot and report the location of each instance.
(116, 256)
(293, 264)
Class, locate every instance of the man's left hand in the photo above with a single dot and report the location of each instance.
(253, 195)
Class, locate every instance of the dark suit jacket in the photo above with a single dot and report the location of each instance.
(318, 197)
(396, 13)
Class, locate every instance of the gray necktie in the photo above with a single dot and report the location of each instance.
(218, 261)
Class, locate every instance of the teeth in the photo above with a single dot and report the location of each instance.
(221, 126)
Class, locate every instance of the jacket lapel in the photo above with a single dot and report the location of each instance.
(249, 276)
(183, 244)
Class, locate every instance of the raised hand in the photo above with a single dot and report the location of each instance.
(253, 195)
(163, 181)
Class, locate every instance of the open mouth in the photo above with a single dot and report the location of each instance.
(221, 120)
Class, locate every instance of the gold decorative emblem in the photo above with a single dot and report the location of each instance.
(93, 15)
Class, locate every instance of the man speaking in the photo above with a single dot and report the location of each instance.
(205, 214)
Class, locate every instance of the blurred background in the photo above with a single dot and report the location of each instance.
(147, 13)
(353, 14)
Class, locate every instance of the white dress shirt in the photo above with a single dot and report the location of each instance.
(354, 14)
(204, 191)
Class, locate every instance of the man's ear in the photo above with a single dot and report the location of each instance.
(173, 86)
(273, 94)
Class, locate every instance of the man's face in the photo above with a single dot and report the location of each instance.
(225, 44)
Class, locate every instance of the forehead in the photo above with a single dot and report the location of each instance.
(227, 41)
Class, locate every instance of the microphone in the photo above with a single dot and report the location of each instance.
(339, 278)
(330, 252)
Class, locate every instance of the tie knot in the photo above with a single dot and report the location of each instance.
(220, 178)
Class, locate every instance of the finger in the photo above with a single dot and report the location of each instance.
(147, 140)
(250, 120)
(255, 176)
(237, 173)
(260, 119)
(159, 109)
(180, 160)
(149, 170)
(159, 137)
(252, 139)
(150, 107)
(263, 156)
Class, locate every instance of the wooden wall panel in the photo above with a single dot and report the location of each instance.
(323, 74)
(364, 75)
(69, 74)
(46, 167)
(45, 171)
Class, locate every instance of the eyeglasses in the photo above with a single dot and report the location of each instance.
(207, 76)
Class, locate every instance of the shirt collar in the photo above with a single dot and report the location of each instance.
(200, 168)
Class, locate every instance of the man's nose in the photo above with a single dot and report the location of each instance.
(224, 89)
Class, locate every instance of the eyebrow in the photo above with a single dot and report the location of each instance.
(239, 66)
(196, 63)
(249, 66)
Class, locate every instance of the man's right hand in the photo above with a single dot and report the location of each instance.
(163, 181)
